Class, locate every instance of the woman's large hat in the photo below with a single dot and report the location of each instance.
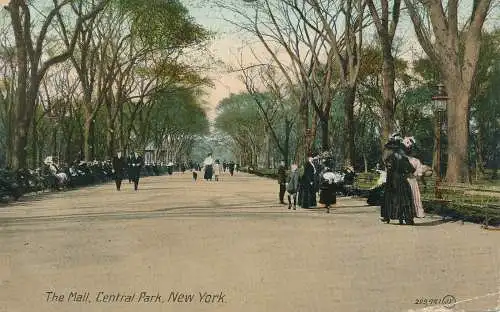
(48, 160)
(395, 141)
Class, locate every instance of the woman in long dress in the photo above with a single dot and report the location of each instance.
(398, 201)
(409, 143)
(208, 167)
(307, 194)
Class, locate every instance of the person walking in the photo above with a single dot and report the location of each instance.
(119, 165)
(137, 163)
(217, 170)
(282, 181)
(328, 189)
(398, 201)
(292, 186)
(231, 167)
(208, 167)
(129, 167)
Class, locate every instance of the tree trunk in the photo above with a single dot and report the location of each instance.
(111, 148)
(349, 97)
(69, 136)
(388, 107)
(286, 148)
(34, 143)
(304, 118)
(20, 133)
(86, 139)
(365, 160)
(325, 139)
(457, 170)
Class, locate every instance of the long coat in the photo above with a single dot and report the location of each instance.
(307, 192)
(135, 169)
(398, 202)
(119, 165)
(293, 182)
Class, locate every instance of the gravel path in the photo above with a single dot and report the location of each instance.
(176, 245)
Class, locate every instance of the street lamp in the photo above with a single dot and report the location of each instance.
(439, 102)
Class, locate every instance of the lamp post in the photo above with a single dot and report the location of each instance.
(439, 102)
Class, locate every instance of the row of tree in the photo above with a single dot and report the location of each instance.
(84, 79)
(320, 68)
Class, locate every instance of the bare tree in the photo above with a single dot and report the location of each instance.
(453, 46)
(348, 59)
(31, 68)
(292, 34)
(386, 29)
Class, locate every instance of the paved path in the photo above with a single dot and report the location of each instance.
(230, 245)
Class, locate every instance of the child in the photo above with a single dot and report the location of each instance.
(292, 186)
(195, 175)
(328, 189)
(217, 170)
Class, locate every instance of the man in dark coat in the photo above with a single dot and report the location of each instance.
(136, 163)
(119, 166)
(282, 182)
(398, 201)
(129, 167)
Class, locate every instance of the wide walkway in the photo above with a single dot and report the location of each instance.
(181, 246)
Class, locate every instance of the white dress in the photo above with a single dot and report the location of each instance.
(415, 190)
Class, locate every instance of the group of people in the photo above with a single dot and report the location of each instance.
(130, 166)
(401, 199)
(317, 177)
(213, 169)
(402, 194)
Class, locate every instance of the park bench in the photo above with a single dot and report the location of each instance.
(488, 208)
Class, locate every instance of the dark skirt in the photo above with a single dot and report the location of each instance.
(135, 173)
(328, 194)
(398, 202)
(118, 175)
(208, 172)
(307, 196)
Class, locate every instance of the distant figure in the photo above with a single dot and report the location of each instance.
(217, 170)
(208, 165)
(129, 167)
(282, 181)
(137, 163)
(195, 175)
(119, 165)
(231, 168)
(170, 168)
(292, 186)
